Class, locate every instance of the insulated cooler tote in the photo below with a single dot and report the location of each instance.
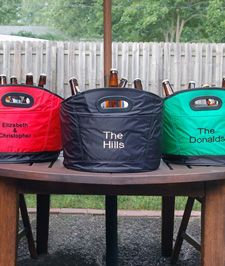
(193, 131)
(29, 129)
(122, 139)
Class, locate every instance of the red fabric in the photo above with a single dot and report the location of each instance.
(31, 129)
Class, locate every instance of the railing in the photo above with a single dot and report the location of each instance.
(152, 62)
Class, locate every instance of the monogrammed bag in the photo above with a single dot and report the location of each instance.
(194, 127)
(29, 124)
(121, 139)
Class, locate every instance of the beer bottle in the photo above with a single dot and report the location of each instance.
(167, 88)
(29, 79)
(138, 84)
(74, 86)
(223, 82)
(113, 83)
(123, 83)
(191, 84)
(3, 79)
(13, 80)
(113, 78)
(14, 98)
(42, 80)
(210, 102)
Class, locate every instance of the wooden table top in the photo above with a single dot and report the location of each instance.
(166, 174)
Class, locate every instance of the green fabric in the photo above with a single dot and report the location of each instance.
(191, 132)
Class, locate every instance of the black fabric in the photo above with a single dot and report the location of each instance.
(29, 157)
(212, 160)
(119, 140)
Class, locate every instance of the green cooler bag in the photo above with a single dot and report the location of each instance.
(194, 127)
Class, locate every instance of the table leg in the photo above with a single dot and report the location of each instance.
(168, 204)
(43, 206)
(8, 223)
(213, 225)
(111, 231)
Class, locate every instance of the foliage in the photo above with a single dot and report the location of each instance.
(161, 20)
(215, 21)
(78, 20)
(9, 11)
(132, 20)
(46, 36)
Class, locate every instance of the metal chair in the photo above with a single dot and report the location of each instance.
(26, 231)
(182, 234)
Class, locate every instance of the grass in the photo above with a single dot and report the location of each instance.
(98, 202)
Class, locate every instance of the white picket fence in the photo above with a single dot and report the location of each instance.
(152, 62)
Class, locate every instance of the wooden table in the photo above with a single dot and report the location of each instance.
(168, 181)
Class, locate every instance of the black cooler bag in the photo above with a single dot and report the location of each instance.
(123, 139)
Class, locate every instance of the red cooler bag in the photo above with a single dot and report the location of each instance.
(29, 124)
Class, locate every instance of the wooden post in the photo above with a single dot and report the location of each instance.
(111, 201)
(8, 223)
(107, 40)
(213, 225)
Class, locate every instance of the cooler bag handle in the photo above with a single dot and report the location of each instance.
(201, 103)
(17, 99)
(119, 104)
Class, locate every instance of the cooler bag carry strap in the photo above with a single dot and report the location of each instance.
(194, 124)
(120, 104)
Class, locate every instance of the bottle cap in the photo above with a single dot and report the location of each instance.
(72, 78)
(113, 70)
(206, 85)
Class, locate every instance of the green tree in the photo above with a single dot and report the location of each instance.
(215, 21)
(159, 20)
(132, 20)
(9, 11)
(79, 19)
(37, 13)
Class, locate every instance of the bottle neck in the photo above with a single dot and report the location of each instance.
(29, 81)
(42, 81)
(74, 86)
(191, 86)
(113, 80)
(3, 80)
(123, 83)
(167, 89)
(223, 83)
(138, 85)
